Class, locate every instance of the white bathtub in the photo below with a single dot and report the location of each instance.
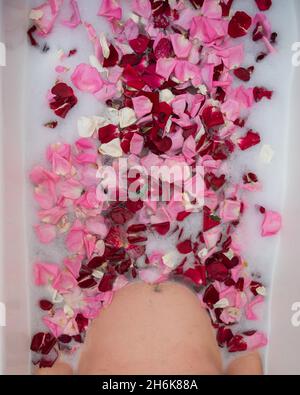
(283, 353)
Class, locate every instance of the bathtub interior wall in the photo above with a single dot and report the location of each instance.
(15, 277)
(282, 355)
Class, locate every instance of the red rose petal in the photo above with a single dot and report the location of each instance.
(139, 44)
(121, 215)
(211, 296)
(37, 341)
(212, 117)
(45, 305)
(224, 335)
(64, 99)
(30, 32)
(163, 49)
(260, 93)
(162, 229)
(250, 140)
(65, 339)
(87, 283)
(137, 228)
(182, 216)
(107, 282)
(226, 7)
(197, 275)
(113, 58)
(161, 22)
(185, 247)
(244, 74)
(82, 322)
(209, 221)
(263, 5)
(107, 133)
(239, 24)
(237, 344)
(217, 271)
(96, 262)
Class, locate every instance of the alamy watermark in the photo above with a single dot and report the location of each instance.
(295, 320)
(2, 54)
(169, 181)
(2, 315)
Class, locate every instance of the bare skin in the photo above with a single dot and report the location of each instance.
(154, 330)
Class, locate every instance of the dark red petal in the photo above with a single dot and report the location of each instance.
(96, 262)
(134, 207)
(114, 237)
(161, 22)
(226, 6)
(137, 228)
(107, 282)
(185, 247)
(130, 59)
(263, 5)
(212, 117)
(139, 44)
(51, 125)
(217, 271)
(37, 341)
(239, 24)
(211, 296)
(209, 220)
(243, 74)
(224, 335)
(259, 93)
(49, 343)
(182, 216)
(197, 275)
(45, 305)
(121, 215)
(82, 322)
(113, 58)
(63, 100)
(162, 228)
(258, 32)
(107, 133)
(30, 32)
(65, 339)
(163, 49)
(237, 344)
(250, 140)
(87, 283)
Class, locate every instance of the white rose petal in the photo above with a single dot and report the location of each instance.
(86, 126)
(94, 62)
(113, 149)
(56, 297)
(98, 274)
(68, 311)
(266, 154)
(104, 45)
(166, 95)
(114, 115)
(168, 125)
(127, 117)
(134, 17)
(221, 304)
(261, 291)
(170, 260)
(100, 122)
(35, 15)
(229, 254)
(202, 253)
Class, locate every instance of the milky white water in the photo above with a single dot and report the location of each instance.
(269, 118)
